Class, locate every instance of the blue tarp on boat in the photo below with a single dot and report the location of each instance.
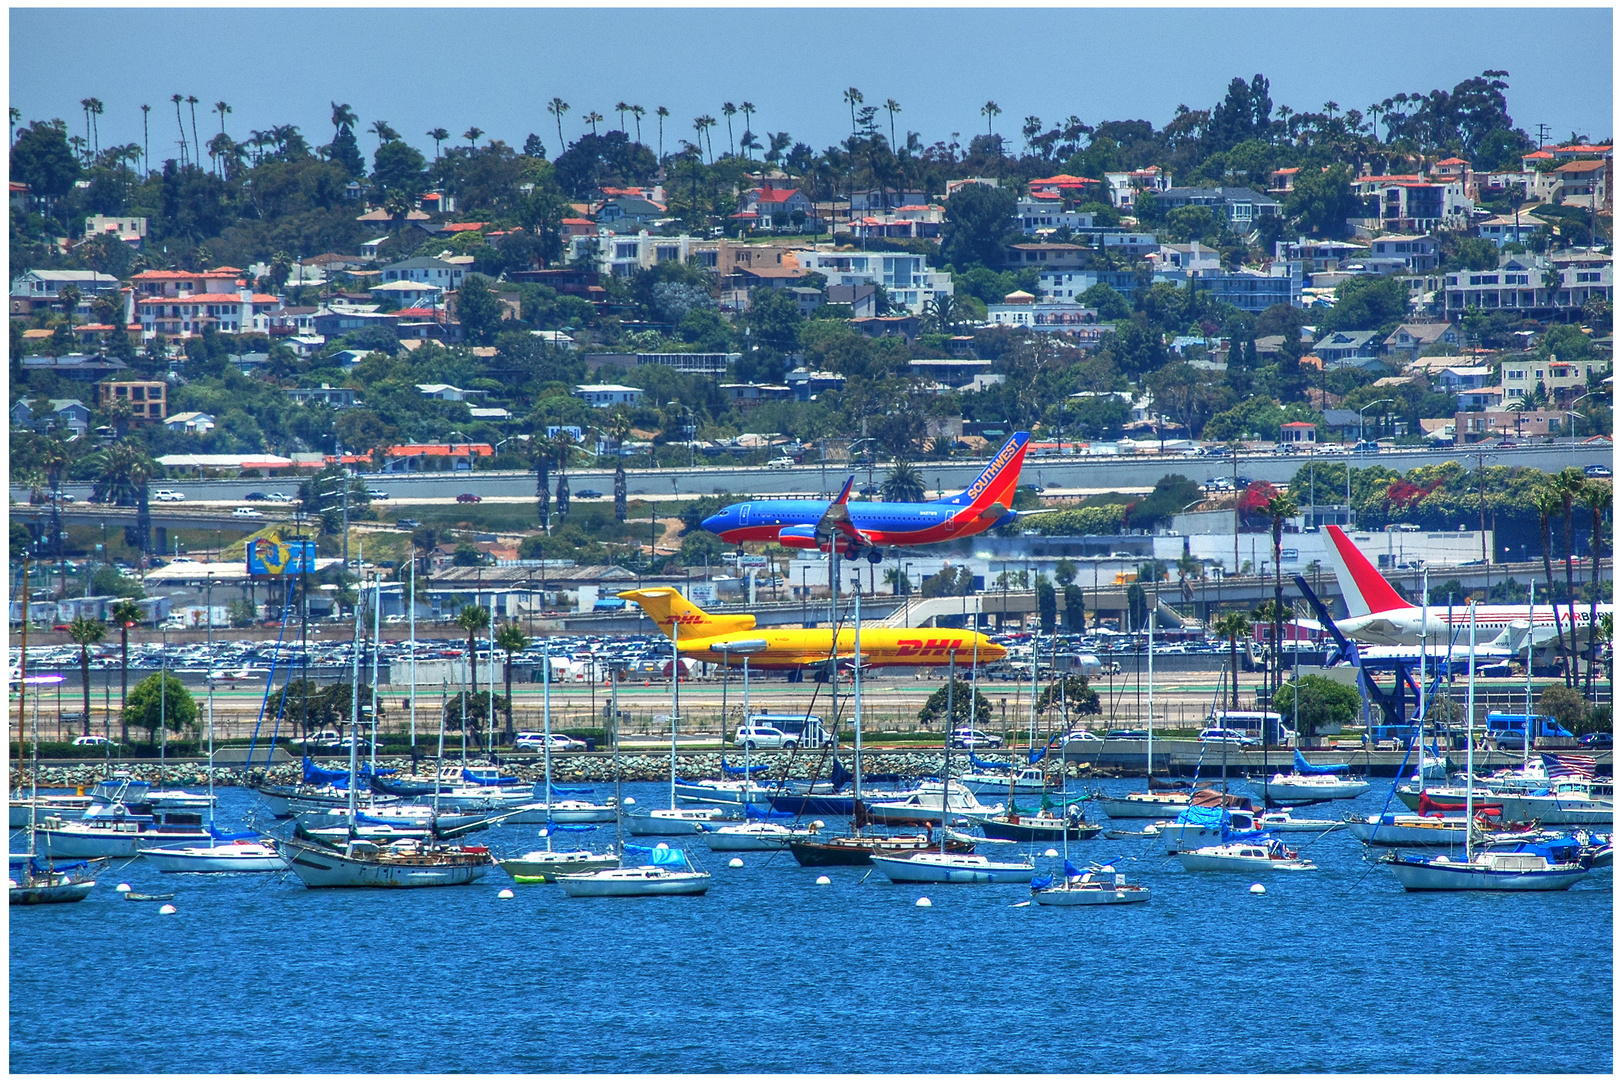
(247, 834)
(1070, 870)
(314, 774)
(739, 770)
(753, 813)
(499, 781)
(980, 763)
(841, 776)
(1037, 755)
(1306, 768)
(673, 857)
(1204, 817)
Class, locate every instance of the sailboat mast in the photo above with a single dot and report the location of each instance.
(489, 680)
(376, 648)
(619, 797)
(354, 711)
(1152, 618)
(1423, 652)
(1530, 639)
(439, 763)
(857, 788)
(1469, 753)
(945, 774)
(675, 698)
(748, 794)
(546, 727)
(411, 617)
(22, 718)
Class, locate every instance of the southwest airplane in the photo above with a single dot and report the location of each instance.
(721, 639)
(1379, 614)
(867, 527)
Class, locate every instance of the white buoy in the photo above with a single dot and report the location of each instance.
(123, 886)
(1051, 853)
(505, 894)
(544, 832)
(661, 846)
(629, 801)
(818, 824)
(824, 880)
(1258, 889)
(924, 901)
(167, 909)
(736, 864)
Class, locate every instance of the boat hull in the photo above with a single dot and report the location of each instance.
(1152, 806)
(1289, 791)
(631, 882)
(321, 869)
(1401, 835)
(66, 807)
(220, 859)
(1193, 860)
(859, 853)
(89, 844)
(68, 893)
(1554, 810)
(724, 794)
(761, 840)
(969, 870)
(1092, 894)
(547, 867)
(670, 823)
(1430, 876)
(1036, 829)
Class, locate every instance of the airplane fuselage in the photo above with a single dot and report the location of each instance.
(1406, 625)
(880, 647)
(882, 523)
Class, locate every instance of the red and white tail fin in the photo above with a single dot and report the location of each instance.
(1365, 588)
(843, 496)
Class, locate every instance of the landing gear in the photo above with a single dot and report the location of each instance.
(875, 556)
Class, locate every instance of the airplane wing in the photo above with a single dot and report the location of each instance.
(836, 518)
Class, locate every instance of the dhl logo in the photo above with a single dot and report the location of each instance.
(684, 620)
(990, 474)
(932, 647)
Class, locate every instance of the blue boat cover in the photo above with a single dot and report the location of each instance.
(570, 790)
(1037, 884)
(568, 828)
(980, 763)
(314, 774)
(668, 857)
(367, 770)
(740, 770)
(1205, 817)
(841, 776)
(1070, 871)
(752, 812)
(1306, 768)
(1037, 755)
(247, 834)
(500, 781)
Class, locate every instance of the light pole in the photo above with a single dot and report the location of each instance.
(1359, 415)
(1573, 416)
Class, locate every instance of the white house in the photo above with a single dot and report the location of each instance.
(429, 271)
(908, 279)
(1021, 309)
(446, 392)
(406, 293)
(131, 230)
(1506, 230)
(239, 312)
(191, 423)
(607, 395)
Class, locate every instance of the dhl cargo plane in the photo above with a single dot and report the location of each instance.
(866, 528)
(722, 639)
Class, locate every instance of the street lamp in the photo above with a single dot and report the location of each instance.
(1573, 415)
(1359, 419)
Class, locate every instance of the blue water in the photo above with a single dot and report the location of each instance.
(1337, 971)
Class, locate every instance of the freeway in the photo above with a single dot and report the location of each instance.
(1094, 472)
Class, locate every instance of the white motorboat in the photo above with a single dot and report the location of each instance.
(679, 821)
(1200, 826)
(1093, 888)
(548, 866)
(1245, 856)
(1284, 821)
(725, 792)
(1501, 871)
(756, 836)
(953, 868)
(637, 881)
(1409, 830)
(579, 812)
(1287, 788)
(1031, 780)
(66, 807)
(230, 857)
(928, 806)
(179, 800)
(405, 864)
(1562, 802)
(486, 798)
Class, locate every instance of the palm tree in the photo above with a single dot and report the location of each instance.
(178, 119)
(1547, 502)
(84, 103)
(557, 107)
(125, 613)
(1598, 496)
(990, 111)
(892, 107)
(560, 448)
(384, 133)
(85, 633)
(1280, 508)
(747, 109)
(701, 125)
(473, 618)
(662, 113)
(728, 110)
(96, 109)
(1232, 626)
(621, 108)
(1569, 483)
(192, 100)
(222, 108)
(438, 135)
(510, 639)
(638, 112)
(619, 427)
(593, 118)
(70, 297)
(146, 137)
(903, 484)
(342, 117)
(471, 135)
(853, 96)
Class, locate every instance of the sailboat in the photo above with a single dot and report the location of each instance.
(38, 883)
(403, 864)
(547, 865)
(677, 820)
(952, 867)
(224, 852)
(670, 874)
(1095, 886)
(1514, 867)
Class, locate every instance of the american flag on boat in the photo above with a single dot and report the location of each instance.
(1561, 765)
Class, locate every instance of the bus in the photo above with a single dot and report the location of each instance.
(1255, 725)
(806, 730)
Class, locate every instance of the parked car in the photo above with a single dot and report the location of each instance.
(1598, 470)
(166, 495)
(765, 737)
(1081, 736)
(1226, 735)
(469, 497)
(869, 491)
(373, 493)
(1365, 447)
(1125, 733)
(247, 512)
(409, 523)
(1598, 739)
(536, 740)
(588, 493)
(281, 497)
(94, 740)
(970, 738)
(780, 463)
(255, 496)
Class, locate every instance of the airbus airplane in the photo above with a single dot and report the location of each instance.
(866, 528)
(1379, 614)
(722, 639)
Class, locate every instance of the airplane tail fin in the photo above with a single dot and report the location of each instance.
(668, 608)
(1365, 588)
(844, 492)
(1000, 478)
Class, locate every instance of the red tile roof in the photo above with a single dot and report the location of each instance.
(465, 226)
(1583, 148)
(441, 450)
(208, 298)
(1592, 165)
(1062, 180)
(578, 221)
(775, 195)
(181, 275)
(1536, 154)
(1453, 161)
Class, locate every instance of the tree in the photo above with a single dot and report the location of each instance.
(1073, 694)
(1321, 200)
(1569, 483)
(473, 618)
(398, 171)
(1075, 608)
(1280, 508)
(903, 484)
(1566, 706)
(510, 639)
(85, 633)
(160, 698)
(1232, 626)
(125, 613)
(1111, 306)
(1597, 496)
(438, 135)
(42, 159)
(1368, 302)
(959, 692)
(1323, 703)
(978, 219)
(479, 310)
(1047, 605)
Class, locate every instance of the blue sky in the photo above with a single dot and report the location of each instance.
(496, 68)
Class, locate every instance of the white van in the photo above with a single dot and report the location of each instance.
(780, 463)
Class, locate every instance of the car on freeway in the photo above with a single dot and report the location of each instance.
(1226, 735)
(409, 523)
(247, 512)
(373, 493)
(969, 738)
(94, 740)
(1365, 447)
(588, 493)
(1081, 735)
(1598, 470)
(65, 497)
(869, 491)
(280, 496)
(535, 740)
(1598, 739)
(167, 495)
(469, 497)
(255, 496)
(1125, 733)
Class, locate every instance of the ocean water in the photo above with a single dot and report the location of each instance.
(1333, 971)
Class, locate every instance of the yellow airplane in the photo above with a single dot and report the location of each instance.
(719, 639)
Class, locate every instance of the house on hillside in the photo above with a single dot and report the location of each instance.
(1409, 339)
